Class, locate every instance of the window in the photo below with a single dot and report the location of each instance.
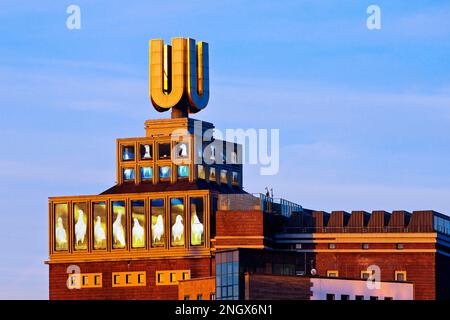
(201, 174)
(199, 297)
(212, 174)
(365, 246)
(388, 298)
(359, 297)
(234, 178)
(212, 296)
(84, 280)
(119, 225)
(80, 226)
(127, 153)
(186, 297)
(373, 298)
(129, 279)
(99, 225)
(138, 223)
(146, 173)
(400, 275)
(345, 297)
(366, 274)
(197, 225)
(177, 222)
(183, 172)
(164, 151)
(146, 151)
(331, 296)
(171, 277)
(227, 275)
(331, 246)
(223, 176)
(128, 174)
(61, 221)
(298, 246)
(332, 273)
(399, 246)
(164, 173)
(157, 220)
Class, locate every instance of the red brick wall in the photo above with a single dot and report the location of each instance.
(420, 267)
(201, 267)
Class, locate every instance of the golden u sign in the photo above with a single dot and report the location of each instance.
(179, 76)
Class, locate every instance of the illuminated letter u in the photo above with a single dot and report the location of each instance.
(167, 73)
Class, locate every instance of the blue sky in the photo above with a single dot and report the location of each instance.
(364, 115)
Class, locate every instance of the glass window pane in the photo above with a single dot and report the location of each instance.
(197, 226)
(146, 173)
(164, 173)
(201, 172)
(164, 150)
(234, 179)
(127, 153)
(157, 217)
(177, 221)
(224, 292)
(212, 174)
(218, 269)
(223, 176)
(80, 226)
(146, 151)
(99, 218)
(61, 217)
(128, 174)
(235, 267)
(119, 224)
(183, 171)
(230, 291)
(138, 222)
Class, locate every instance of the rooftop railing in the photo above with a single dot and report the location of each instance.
(415, 229)
(257, 201)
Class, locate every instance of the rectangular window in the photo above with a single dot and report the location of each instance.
(139, 224)
(223, 176)
(146, 173)
(128, 174)
(129, 279)
(332, 273)
(157, 220)
(146, 151)
(212, 296)
(388, 298)
(399, 246)
(183, 172)
(171, 277)
(359, 297)
(373, 298)
(400, 275)
(99, 225)
(234, 178)
(197, 225)
(199, 297)
(366, 274)
(80, 226)
(186, 297)
(365, 246)
(345, 297)
(212, 174)
(164, 151)
(201, 174)
(331, 246)
(177, 222)
(331, 296)
(164, 173)
(119, 225)
(127, 153)
(61, 221)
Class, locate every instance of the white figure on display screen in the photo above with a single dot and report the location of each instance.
(183, 150)
(80, 228)
(60, 232)
(138, 233)
(99, 233)
(147, 154)
(197, 229)
(118, 232)
(177, 229)
(158, 229)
